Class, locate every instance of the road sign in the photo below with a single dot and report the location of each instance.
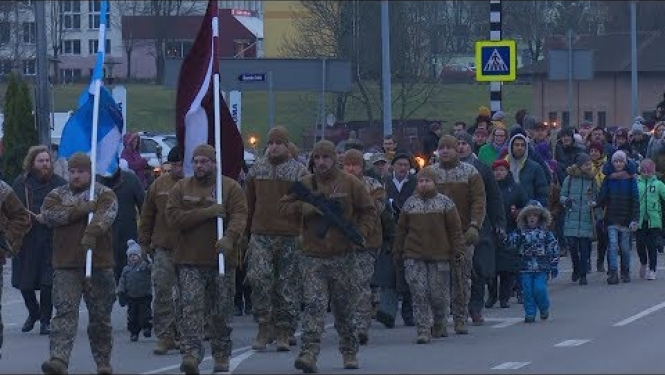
(252, 77)
(496, 61)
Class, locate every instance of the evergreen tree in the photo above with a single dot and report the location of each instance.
(19, 127)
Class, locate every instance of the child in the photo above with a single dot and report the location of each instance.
(651, 192)
(135, 292)
(429, 237)
(540, 254)
(578, 196)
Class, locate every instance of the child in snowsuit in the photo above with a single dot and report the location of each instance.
(135, 292)
(539, 250)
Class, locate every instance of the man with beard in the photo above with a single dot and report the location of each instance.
(130, 193)
(492, 231)
(157, 239)
(462, 183)
(365, 258)
(272, 256)
(66, 210)
(193, 210)
(327, 262)
(31, 268)
(14, 223)
(526, 172)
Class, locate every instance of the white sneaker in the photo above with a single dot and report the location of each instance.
(643, 271)
(651, 275)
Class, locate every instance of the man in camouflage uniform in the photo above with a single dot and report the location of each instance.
(327, 263)
(366, 258)
(272, 257)
(157, 239)
(193, 210)
(462, 183)
(66, 210)
(15, 223)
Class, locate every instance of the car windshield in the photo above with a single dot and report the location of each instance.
(171, 141)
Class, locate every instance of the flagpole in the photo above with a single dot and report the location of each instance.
(218, 137)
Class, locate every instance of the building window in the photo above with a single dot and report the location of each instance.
(588, 116)
(70, 75)
(602, 119)
(6, 66)
(29, 32)
(553, 116)
(71, 21)
(240, 49)
(177, 49)
(565, 118)
(5, 32)
(94, 7)
(93, 45)
(71, 6)
(71, 47)
(29, 67)
(27, 3)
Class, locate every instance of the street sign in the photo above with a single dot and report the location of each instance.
(496, 61)
(252, 77)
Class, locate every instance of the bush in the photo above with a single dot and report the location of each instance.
(19, 127)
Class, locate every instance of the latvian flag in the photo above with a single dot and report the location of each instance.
(195, 102)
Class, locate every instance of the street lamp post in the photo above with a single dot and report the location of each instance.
(633, 57)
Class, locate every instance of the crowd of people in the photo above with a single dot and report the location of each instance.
(485, 218)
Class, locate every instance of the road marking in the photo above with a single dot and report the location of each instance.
(507, 322)
(235, 362)
(510, 366)
(640, 315)
(169, 368)
(571, 343)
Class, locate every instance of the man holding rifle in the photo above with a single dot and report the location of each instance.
(66, 210)
(192, 209)
(329, 257)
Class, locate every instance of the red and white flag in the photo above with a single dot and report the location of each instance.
(195, 117)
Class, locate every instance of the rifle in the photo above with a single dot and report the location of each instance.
(332, 213)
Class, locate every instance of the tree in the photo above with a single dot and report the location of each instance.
(12, 15)
(649, 15)
(19, 126)
(129, 8)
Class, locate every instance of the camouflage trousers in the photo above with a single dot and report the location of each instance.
(272, 272)
(461, 286)
(429, 283)
(365, 260)
(166, 313)
(329, 278)
(198, 285)
(68, 286)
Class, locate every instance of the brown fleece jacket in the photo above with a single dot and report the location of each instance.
(14, 218)
(197, 231)
(378, 194)
(70, 224)
(462, 183)
(154, 230)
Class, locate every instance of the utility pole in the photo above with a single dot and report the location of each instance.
(42, 98)
(495, 35)
(633, 57)
(570, 120)
(386, 88)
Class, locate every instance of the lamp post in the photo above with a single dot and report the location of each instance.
(633, 57)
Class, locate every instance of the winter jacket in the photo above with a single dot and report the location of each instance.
(135, 280)
(512, 195)
(489, 152)
(14, 220)
(619, 196)
(578, 191)
(538, 246)
(133, 156)
(430, 144)
(528, 174)
(651, 192)
(597, 166)
(566, 156)
(396, 196)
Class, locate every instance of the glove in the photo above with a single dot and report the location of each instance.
(216, 210)
(310, 210)
(471, 235)
(569, 202)
(633, 226)
(554, 272)
(89, 242)
(224, 244)
(122, 299)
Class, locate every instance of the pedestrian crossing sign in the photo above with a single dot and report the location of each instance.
(496, 61)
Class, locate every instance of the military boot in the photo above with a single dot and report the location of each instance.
(189, 365)
(423, 338)
(164, 345)
(221, 365)
(350, 361)
(363, 337)
(263, 337)
(439, 330)
(54, 366)
(292, 340)
(306, 362)
(104, 369)
(461, 328)
(283, 340)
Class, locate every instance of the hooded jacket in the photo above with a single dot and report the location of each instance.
(619, 195)
(537, 246)
(651, 192)
(582, 189)
(133, 157)
(527, 173)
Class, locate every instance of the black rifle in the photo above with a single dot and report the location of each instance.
(332, 213)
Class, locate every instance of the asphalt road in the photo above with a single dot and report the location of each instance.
(597, 328)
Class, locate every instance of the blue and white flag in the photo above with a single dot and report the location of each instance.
(77, 133)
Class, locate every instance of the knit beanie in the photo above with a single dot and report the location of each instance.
(465, 137)
(637, 129)
(428, 172)
(619, 155)
(448, 141)
(529, 122)
(353, 157)
(498, 116)
(293, 150)
(501, 163)
(484, 111)
(205, 150)
(133, 248)
(174, 155)
(80, 160)
(324, 147)
(566, 131)
(278, 134)
(582, 159)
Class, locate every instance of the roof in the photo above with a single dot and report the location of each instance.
(611, 52)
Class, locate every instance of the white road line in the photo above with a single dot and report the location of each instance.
(571, 343)
(235, 362)
(640, 315)
(174, 367)
(510, 366)
(507, 322)
(12, 302)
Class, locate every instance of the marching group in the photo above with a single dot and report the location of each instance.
(434, 240)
